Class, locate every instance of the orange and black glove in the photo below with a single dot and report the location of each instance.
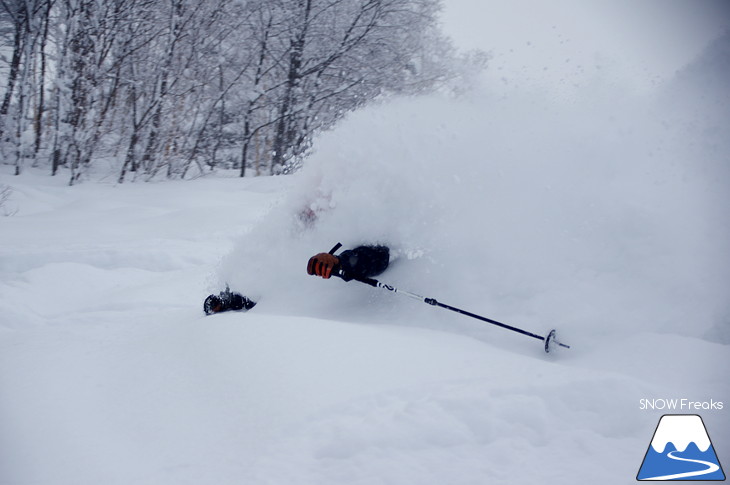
(323, 264)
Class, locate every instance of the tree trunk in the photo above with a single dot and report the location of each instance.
(18, 47)
(244, 149)
(283, 137)
(38, 121)
(129, 161)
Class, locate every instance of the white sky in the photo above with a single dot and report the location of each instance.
(567, 41)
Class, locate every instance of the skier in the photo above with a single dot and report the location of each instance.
(360, 262)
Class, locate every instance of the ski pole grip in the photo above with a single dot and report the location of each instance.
(335, 248)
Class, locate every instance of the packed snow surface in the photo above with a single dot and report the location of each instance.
(603, 215)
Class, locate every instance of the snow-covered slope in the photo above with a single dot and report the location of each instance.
(601, 216)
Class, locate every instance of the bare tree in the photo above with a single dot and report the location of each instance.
(25, 90)
(343, 54)
(176, 88)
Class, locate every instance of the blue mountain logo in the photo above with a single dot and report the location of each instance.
(681, 450)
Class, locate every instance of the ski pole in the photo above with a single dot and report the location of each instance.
(549, 339)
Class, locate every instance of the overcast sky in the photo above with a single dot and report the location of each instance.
(568, 41)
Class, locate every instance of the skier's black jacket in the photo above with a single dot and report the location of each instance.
(363, 261)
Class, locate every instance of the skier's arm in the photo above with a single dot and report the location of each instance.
(364, 261)
(361, 262)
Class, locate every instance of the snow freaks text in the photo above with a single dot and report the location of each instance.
(679, 405)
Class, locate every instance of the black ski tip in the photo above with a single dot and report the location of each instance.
(212, 304)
